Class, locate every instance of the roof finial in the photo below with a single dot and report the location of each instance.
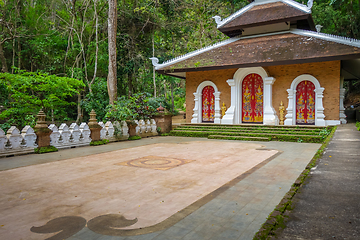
(318, 28)
(310, 4)
(155, 61)
(217, 20)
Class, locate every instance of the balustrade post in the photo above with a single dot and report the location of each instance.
(95, 128)
(42, 131)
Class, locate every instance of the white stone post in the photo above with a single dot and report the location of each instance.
(229, 116)
(290, 109)
(217, 119)
(65, 134)
(320, 117)
(3, 140)
(15, 139)
(341, 107)
(29, 136)
(195, 117)
(102, 131)
(270, 117)
(85, 132)
(54, 136)
(125, 130)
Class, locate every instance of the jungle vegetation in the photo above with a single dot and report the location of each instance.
(59, 49)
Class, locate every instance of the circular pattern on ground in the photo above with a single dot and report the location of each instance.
(155, 162)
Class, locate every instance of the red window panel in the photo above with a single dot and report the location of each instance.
(208, 104)
(252, 99)
(305, 103)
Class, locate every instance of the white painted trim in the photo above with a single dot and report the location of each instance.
(233, 114)
(197, 116)
(290, 118)
(328, 37)
(332, 122)
(195, 53)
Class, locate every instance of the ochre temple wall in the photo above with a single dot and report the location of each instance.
(327, 73)
(219, 77)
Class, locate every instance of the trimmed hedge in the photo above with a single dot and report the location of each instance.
(277, 133)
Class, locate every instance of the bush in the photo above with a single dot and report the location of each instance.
(100, 142)
(134, 138)
(45, 149)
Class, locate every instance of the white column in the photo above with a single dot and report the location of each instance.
(320, 117)
(269, 117)
(217, 119)
(229, 116)
(290, 109)
(341, 108)
(195, 116)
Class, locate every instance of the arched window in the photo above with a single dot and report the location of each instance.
(300, 110)
(207, 103)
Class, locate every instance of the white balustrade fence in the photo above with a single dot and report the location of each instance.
(14, 142)
(65, 137)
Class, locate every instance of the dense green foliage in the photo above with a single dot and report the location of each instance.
(69, 39)
(25, 93)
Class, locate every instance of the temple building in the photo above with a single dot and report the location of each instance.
(275, 54)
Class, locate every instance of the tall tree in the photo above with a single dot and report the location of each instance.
(112, 27)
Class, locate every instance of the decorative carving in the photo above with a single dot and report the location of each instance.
(75, 132)
(223, 110)
(109, 130)
(310, 4)
(65, 134)
(153, 127)
(85, 132)
(217, 20)
(29, 137)
(102, 131)
(282, 113)
(154, 61)
(13, 134)
(125, 130)
(318, 28)
(3, 140)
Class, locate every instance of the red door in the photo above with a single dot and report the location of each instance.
(208, 104)
(305, 103)
(252, 99)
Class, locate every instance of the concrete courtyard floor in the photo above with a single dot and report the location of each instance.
(154, 188)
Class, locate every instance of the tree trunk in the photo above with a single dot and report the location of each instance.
(4, 67)
(154, 80)
(111, 80)
(19, 54)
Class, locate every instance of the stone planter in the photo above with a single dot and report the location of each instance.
(164, 121)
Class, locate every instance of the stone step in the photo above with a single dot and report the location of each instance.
(285, 129)
(238, 138)
(270, 131)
